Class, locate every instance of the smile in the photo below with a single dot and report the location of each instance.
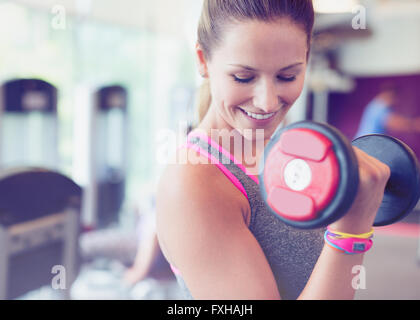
(259, 116)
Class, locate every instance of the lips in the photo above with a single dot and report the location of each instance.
(259, 117)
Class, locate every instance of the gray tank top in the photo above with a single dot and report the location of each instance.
(290, 252)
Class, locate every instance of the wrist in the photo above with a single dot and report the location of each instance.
(351, 228)
(339, 234)
(350, 224)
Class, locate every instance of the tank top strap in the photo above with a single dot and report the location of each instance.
(224, 160)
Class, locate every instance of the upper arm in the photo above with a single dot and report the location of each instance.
(202, 232)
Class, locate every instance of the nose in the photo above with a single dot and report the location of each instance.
(267, 97)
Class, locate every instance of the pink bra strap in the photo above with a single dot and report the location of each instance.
(223, 151)
(229, 174)
(175, 270)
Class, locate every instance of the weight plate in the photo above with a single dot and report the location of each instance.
(402, 191)
(345, 190)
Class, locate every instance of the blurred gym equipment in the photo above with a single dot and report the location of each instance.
(28, 124)
(39, 230)
(39, 207)
(110, 152)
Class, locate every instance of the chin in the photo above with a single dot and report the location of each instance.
(253, 134)
(268, 129)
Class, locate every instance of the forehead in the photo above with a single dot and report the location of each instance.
(263, 44)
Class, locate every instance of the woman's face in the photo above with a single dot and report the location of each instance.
(256, 74)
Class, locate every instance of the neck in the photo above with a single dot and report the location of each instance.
(247, 147)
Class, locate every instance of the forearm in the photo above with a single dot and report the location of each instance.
(403, 124)
(332, 276)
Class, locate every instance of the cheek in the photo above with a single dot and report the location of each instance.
(294, 90)
(237, 96)
(230, 94)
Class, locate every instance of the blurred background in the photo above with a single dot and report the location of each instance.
(87, 86)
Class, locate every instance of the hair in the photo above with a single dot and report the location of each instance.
(216, 14)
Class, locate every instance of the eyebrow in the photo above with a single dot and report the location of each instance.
(253, 69)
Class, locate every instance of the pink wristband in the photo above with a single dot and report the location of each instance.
(348, 245)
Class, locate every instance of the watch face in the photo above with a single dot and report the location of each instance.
(359, 246)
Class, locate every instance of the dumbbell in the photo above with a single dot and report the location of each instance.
(310, 176)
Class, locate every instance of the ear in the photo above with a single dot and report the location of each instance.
(201, 61)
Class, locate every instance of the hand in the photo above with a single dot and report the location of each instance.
(373, 176)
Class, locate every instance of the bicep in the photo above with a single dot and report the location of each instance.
(206, 238)
(231, 266)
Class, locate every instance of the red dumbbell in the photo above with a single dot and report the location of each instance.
(310, 175)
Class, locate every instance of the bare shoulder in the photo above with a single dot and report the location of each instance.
(195, 198)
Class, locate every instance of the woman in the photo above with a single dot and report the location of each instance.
(213, 225)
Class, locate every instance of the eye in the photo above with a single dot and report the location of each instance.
(242, 80)
(287, 78)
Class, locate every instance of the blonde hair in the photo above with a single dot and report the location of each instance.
(218, 13)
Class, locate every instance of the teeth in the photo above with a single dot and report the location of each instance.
(259, 116)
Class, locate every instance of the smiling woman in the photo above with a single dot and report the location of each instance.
(255, 56)
(258, 70)
(213, 226)
(221, 240)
